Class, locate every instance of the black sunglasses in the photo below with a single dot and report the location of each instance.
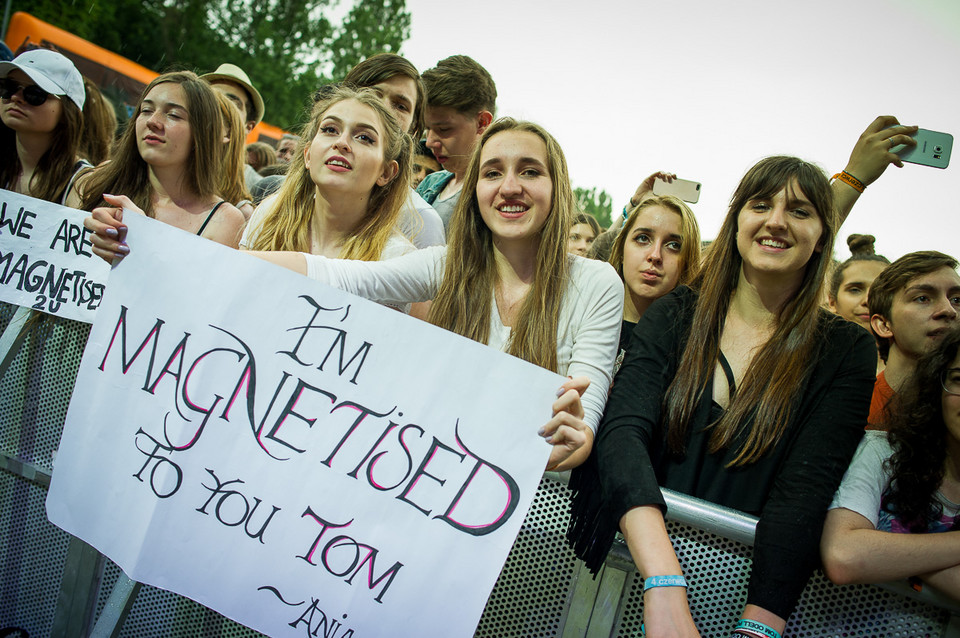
(32, 94)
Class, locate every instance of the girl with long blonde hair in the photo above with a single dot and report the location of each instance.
(345, 186)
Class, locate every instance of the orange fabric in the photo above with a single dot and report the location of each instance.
(882, 393)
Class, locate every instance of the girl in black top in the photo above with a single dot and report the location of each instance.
(739, 390)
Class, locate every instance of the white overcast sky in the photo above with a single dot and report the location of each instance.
(704, 89)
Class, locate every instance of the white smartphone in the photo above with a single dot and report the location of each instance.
(680, 188)
(933, 149)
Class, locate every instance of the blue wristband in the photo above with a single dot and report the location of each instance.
(757, 628)
(665, 581)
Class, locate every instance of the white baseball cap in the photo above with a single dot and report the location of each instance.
(51, 71)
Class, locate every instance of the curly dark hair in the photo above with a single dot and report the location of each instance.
(917, 433)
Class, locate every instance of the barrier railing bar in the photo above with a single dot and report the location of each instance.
(12, 337)
(710, 517)
(79, 587)
(741, 527)
(24, 469)
(117, 607)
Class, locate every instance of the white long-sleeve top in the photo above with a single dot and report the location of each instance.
(588, 331)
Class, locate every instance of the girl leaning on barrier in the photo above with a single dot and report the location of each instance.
(903, 486)
(41, 97)
(505, 278)
(168, 164)
(739, 390)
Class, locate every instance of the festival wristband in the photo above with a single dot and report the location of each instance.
(850, 181)
(665, 581)
(755, 629)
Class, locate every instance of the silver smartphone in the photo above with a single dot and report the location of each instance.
(680, 188)
(933, 149)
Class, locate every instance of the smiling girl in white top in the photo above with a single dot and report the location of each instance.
(505, 278)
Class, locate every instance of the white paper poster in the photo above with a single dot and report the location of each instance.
(298, 459)
(45, 258)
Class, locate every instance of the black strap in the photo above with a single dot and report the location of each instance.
(210, 215)
(728, 372)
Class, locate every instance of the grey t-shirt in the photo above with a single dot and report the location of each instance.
(445, 208)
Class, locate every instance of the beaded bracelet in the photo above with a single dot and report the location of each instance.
(664, 581)
(754, 629)
(850, 181)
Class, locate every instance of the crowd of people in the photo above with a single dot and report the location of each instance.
(743, 372)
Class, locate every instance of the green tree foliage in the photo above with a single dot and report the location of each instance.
(287, 47)
(600, 205)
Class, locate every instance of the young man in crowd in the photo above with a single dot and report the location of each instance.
(912, 302)
(461, 101)
(233, 82)
(398, 82)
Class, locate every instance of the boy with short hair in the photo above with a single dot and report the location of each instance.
(461, 101)
(912, 303)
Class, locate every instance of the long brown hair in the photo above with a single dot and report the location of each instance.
(128, 174)
(99, 125)
(232, 185)
(766, 396)
(463, 302)
(55, 167)
(287, 225)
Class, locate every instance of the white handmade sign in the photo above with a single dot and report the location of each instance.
(296, 458)
(45, 258)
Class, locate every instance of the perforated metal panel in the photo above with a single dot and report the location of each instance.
(34, 393)
(531, 597)
(32, 554)
(35, 389)
(160, 613)
(6, 314)
(719, 570)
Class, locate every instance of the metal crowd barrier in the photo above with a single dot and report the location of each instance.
(52, 584)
